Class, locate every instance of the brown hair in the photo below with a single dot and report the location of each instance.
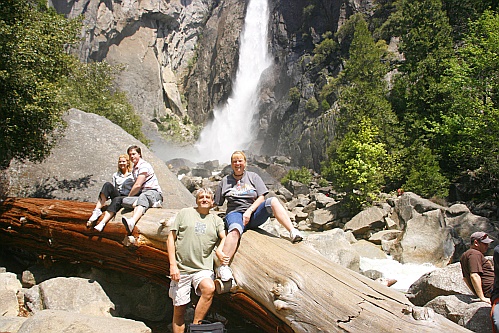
(136, 148)
(128, 162)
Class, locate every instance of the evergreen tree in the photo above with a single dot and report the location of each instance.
(418, 96)
(355, 165)
(469, 132)
(361, 152)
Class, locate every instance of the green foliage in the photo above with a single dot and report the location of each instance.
(90, 88)
(355, 165)
(425, 177)
(325, 51)
(312, 105)
(302, 175)
(308, 11)
(325, 105)
(426, 41)
(32, 63)
(468, 132)
(361, 87)
(294, 94)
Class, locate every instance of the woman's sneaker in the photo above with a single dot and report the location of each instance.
(100, 226)
(225, 273)
(295, 236)
(95, 215)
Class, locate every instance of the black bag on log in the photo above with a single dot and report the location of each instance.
(206, 326)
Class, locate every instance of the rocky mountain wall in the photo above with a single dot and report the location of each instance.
(180, 57)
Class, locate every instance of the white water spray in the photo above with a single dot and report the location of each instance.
(234, 126)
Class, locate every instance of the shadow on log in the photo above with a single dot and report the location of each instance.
(282, 287)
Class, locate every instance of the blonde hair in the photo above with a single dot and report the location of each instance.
(238, 152)
(128, 162)
(205, 190)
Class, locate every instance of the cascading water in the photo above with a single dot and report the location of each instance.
(234, 126)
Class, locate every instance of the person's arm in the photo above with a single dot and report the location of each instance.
(252, 208)
(224, 259)
(476, 281)
(137, 186)
(170, 247)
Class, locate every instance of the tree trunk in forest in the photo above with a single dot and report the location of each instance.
(282, 287)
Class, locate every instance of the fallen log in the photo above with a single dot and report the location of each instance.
(282, 287)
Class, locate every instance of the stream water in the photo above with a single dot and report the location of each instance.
(405, 274)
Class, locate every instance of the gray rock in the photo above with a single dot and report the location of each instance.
(280, 160)
(384, 235)
(440, 282)
(11, 324)
(28, 279)
(371, 218)
(83, 160)
(277, 171)
(297, 188)
(321, 199)
(320, 217)
(427, 240)
(334, 245)
(369, 250)
(9, 281)
(179, 163)
(211, 165)
(9, 305)
(58, 321)
(200, 172)
(285, 193)
(75, 295)
(464, 310)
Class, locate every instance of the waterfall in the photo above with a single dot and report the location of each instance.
(234, 124)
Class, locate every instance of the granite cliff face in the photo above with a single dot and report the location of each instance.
(181, 56)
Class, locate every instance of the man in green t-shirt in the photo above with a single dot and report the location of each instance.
(190, 245)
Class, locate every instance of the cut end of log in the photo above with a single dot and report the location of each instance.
(129, 241)
(281, 305)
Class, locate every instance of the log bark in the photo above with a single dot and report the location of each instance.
(282, 287)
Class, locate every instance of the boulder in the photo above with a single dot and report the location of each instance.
(408, 203)
(9, 281)
(59, 321)
(384, 235)
(366, 220)
(440, 282)
(9, 305)
(464, 310)
(427, 239)
(297, 188)
(334, 245)
(11, 324)
(83, 160)
(367, 249)
(320, 219)
(322, 200)
(71, 294)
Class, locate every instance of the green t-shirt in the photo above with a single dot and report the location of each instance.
(197, 236)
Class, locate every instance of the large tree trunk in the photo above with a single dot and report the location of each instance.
(282, 287)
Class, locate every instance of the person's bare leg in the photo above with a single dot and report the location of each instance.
(207, 288)
(178, 323)
(106, 218)
(138, 211)
(281, 214)
(102, 200)
(231, 241)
